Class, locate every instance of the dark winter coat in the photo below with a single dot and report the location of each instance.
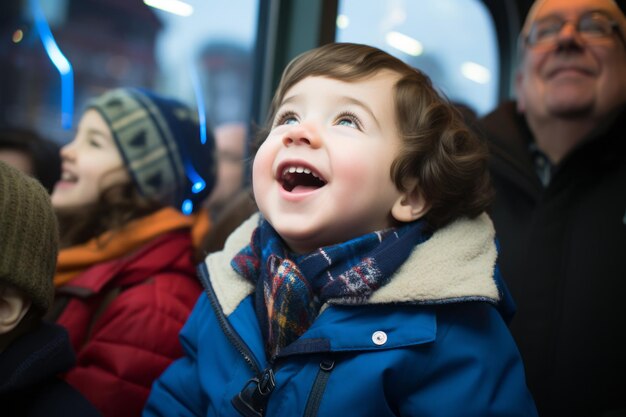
(563, 256)
(29, 381)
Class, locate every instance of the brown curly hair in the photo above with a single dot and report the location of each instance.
(438, 150)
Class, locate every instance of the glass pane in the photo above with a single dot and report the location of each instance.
(453, 41)
(201, 56)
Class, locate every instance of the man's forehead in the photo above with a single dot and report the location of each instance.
(543, 8)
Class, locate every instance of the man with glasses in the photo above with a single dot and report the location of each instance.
(559, 168)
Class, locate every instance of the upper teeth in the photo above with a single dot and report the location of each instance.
(66, 176)
(299, 170)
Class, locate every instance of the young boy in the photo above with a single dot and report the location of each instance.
(366, 285)
(32, 353)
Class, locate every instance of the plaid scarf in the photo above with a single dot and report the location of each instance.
(294, 287)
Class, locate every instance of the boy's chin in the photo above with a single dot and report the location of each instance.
(301, 242)
(299, 245)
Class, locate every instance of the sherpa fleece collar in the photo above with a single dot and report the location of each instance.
(456, 263)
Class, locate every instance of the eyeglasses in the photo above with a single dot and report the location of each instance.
(590, 26)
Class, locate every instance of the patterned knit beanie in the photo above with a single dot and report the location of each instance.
(28, 236)
(160, 142)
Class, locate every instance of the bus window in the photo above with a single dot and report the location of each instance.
(453, 41)
(198, 51)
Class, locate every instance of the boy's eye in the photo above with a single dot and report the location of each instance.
(288, 118)
(349, 120)
(346, 122)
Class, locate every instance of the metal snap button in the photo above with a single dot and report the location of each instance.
(379, 338)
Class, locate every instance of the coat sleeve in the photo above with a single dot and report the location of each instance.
(178, 392)
(132, 342)
(472, 369)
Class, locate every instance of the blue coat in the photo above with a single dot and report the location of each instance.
(429, 343)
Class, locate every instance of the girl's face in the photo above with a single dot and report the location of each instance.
(91, 163)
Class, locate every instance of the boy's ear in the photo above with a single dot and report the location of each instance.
(13, 307)
(410, 206)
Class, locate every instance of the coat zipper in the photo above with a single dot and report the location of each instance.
(319, 386)
(228, 330)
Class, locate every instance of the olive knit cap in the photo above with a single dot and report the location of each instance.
(29, 241)
(161, 145)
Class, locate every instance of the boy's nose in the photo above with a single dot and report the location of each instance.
(302, 134)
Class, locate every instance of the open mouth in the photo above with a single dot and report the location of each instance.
(68, 177)
(295, 178)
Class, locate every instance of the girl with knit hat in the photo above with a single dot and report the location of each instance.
(125, 281)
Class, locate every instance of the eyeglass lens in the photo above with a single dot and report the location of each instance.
(590, 25)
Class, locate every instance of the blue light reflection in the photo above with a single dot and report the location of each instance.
(60, 62)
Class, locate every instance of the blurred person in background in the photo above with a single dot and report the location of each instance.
(32, 352)
(27, 151)
(126, 280)
(558, 163)
(230, 144)
(232, 202)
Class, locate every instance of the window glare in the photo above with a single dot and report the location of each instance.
(191, 50)
(433, 37)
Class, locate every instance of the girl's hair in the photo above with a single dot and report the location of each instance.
(438, 150)
(117, 205)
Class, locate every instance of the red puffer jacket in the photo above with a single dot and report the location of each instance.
(123, 317)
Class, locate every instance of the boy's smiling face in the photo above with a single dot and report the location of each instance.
(322, 176)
